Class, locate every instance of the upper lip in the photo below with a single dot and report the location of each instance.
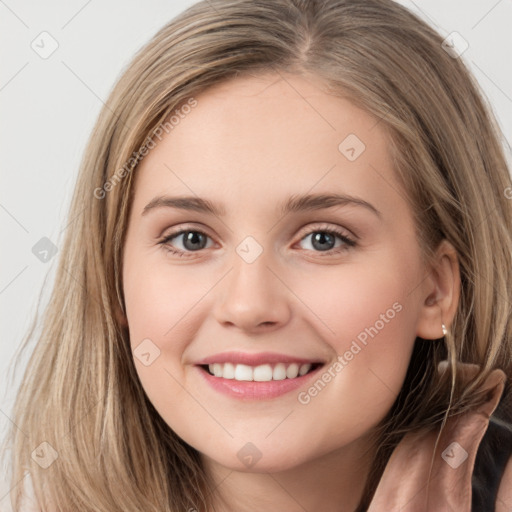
(254, 359)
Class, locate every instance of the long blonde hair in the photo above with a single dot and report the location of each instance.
(80, 392)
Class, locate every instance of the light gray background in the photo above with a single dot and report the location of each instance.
(48, 107)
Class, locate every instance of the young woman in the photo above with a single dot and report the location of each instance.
(287, 286)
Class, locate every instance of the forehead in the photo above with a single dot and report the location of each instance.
(269, 136)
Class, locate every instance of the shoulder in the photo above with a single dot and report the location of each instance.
(492, 477)
(464, 466)
(504, 498)
(28, 501)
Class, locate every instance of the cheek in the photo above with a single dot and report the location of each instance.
(162, 307)
(160, 311)
(369, 322)
(159, 303)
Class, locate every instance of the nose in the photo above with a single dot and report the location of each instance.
(253, 297)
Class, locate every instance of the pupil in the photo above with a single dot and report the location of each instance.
(194, 238)
(321, 237)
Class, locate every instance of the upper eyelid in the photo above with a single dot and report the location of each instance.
(327, 227)
(179, 231)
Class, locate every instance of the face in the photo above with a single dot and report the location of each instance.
(318, 294)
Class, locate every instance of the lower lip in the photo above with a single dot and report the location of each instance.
(252, 390)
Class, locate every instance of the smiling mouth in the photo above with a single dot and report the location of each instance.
(260, 373)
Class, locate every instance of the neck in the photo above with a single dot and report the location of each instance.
(332, 482)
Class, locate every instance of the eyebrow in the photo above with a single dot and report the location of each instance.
(295, 203)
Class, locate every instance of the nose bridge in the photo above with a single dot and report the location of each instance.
(252, 295)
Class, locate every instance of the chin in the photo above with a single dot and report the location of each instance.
(250, 459)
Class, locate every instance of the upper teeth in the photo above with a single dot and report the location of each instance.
(261, 373)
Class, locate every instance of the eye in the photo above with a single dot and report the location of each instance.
(192, 240)
(323, 239)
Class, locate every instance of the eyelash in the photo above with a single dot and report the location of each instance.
(348, 242)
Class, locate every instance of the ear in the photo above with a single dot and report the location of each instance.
(120, 316)
(440, 293)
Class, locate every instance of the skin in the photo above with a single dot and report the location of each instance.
(249, 144)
